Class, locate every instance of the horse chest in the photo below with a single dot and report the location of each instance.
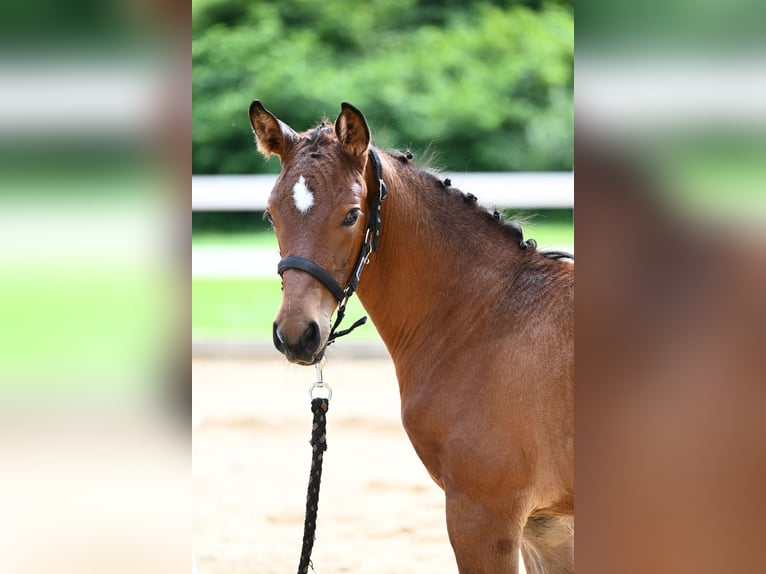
(440, 427)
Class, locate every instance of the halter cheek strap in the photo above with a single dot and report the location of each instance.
(371, 244)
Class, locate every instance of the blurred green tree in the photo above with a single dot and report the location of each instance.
(486, 85)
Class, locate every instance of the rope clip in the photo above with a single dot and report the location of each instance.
(320, 389)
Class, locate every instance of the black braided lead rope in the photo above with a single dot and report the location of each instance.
(319, 407)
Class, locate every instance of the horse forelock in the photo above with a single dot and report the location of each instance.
(319, 134)
(314, 141)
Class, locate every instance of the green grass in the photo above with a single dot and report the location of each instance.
(245, 309)
(559, 234)
(234, 308)
(264, 239)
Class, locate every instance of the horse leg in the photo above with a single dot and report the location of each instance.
(484, 541)
(548, 545)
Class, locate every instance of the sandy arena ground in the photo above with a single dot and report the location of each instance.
(379, 511)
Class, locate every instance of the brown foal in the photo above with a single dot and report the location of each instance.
(478, 322)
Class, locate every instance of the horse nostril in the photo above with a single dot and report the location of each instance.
(277, 337)
(310, 338)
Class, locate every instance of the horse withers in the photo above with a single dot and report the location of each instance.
(479, 324)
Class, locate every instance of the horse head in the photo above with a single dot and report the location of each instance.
(318, 209)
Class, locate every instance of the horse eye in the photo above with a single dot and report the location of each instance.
(267, 217)
(351, 218)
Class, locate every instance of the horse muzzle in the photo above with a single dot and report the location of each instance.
(305, 348)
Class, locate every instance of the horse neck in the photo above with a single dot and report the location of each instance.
(428, 272)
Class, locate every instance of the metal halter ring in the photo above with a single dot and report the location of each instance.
(320, 386)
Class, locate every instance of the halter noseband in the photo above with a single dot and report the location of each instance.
(371, 244)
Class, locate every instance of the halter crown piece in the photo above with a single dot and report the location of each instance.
(371, 244)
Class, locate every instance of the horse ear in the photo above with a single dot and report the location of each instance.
(272, 136)
(352, 131)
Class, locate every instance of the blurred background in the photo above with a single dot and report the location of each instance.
(671, 217)
(94, 389)
(88, 226)
(468, 87)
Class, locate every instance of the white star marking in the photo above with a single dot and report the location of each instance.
(303, 196)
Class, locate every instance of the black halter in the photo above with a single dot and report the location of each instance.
(371, 244)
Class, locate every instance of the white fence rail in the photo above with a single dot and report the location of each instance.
(250, 193)
(518, 190)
